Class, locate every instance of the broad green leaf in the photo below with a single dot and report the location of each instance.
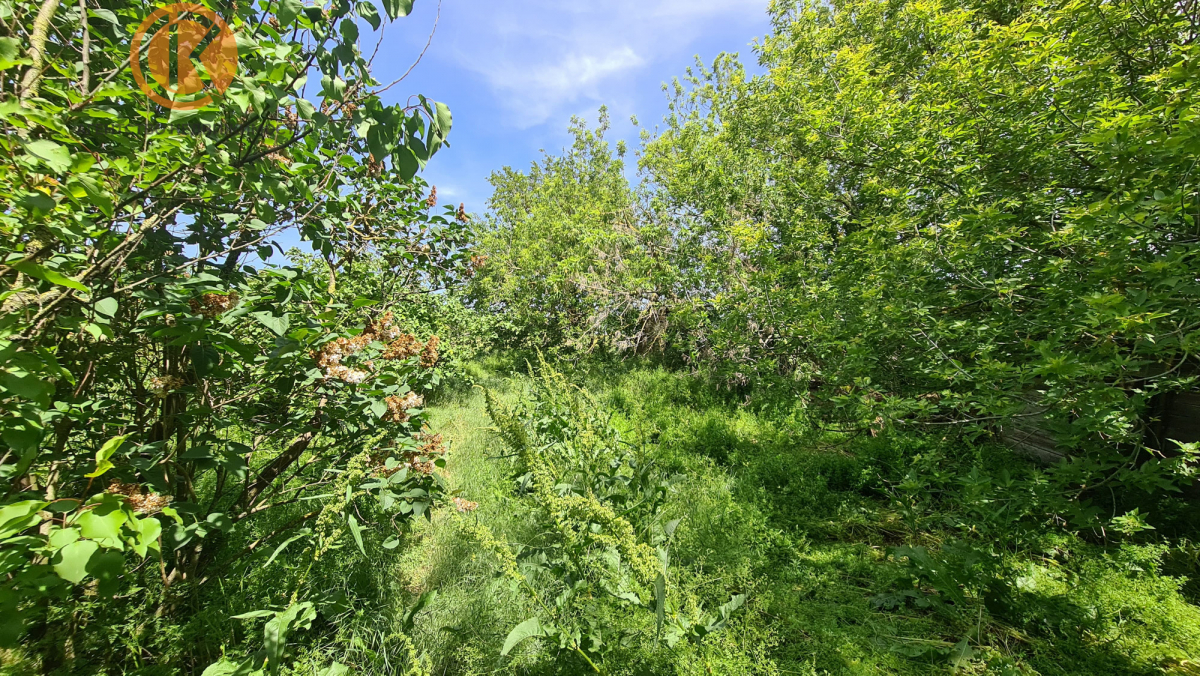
(278, 325)
(368, 12)
(71, 561)
(288, 11)
(335, 669)
(97, 527)
(107, 307)
(48, 275)
(530, 628)
(51, 154)
(397, 8)
(107, 567)
(149, 529)
(18, 516)
(444, 119)
(10, 53)
(275, 633)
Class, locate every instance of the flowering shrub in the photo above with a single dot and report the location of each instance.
(140, 351)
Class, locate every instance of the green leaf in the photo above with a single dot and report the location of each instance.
(51, 154)
(288, 11)
(280, 548)
(102, 456)
(961, 654)
(279, 325)
(275, 633)
(106, 15)
(530, 628)
(368, 12)
(356, 531)
(379, 408)
(28, 386)
(101, 527)
(48, 275)
(406, 162)
(71, 561)
(107, 307)
(10, 53)
(18, 516)
(335, 669)
(107, 568)
(96, 195)
(397, 8)
(349, 31)
(660, 601)
(444, 119)
(149, 530)
(254, 615)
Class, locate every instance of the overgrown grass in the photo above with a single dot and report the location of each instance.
(808, 525)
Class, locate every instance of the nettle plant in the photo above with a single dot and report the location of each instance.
(157, 392)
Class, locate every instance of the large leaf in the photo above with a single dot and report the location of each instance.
(288, 11)
(279, 325)
(275, 633)
(107, 567)
(47, 275)
(530, 628)
(51, 154)
(444, 119)
(397, 8)
(18, 516)
(71, 561)
(92, 524)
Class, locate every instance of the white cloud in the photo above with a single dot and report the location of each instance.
(540, 57)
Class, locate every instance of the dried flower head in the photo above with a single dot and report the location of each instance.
(274, 23)
(477, 263)
(431, 201)
(398, 407)
(461, 216)
(161, 386)
(429, 355)
(329, 357)
(465, 506)
(212, 305)
(142, 503)
(430, 444)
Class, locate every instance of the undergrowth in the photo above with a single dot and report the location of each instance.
(896, 553)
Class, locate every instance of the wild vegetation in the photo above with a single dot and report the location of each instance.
(883, 364)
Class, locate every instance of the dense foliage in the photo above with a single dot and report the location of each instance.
(883, 366)
(171, 412)
(928, 213)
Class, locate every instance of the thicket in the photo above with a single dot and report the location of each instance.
(176, 415)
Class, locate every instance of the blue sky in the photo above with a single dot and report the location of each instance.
(515, 72)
